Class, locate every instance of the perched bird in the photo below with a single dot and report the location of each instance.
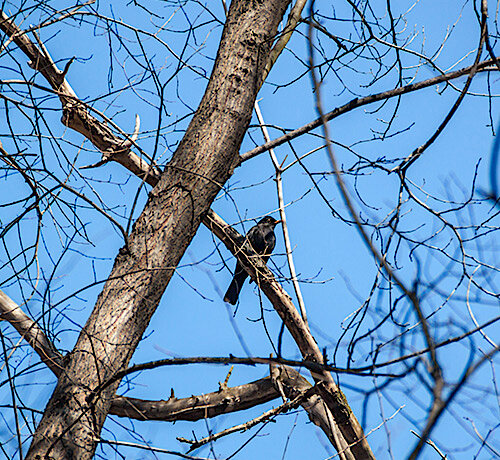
(263, 240)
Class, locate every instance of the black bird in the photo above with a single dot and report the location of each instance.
(263, 240)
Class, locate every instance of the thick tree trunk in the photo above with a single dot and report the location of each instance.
(203, 162)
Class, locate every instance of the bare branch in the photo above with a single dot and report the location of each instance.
(332, 395)
(199, 407)
(360, 102)
(284, 225)
(31, 332)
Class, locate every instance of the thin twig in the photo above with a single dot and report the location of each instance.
(149, 448)
(284, 225)
(431, 443)
(265, 417)
(360, 102)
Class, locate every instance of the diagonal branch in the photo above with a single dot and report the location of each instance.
(200, 166)
(208, 405)
(286, 34)
(263, 418)
(31, 332)
(282, 303)
(77, 117)
(75, 113)
(360, 102)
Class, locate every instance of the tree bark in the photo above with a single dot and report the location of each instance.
(204, 161)
(351, 432)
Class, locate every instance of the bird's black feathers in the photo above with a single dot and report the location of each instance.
(263, 240)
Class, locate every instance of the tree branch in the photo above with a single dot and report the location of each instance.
(75, 113)
(103, 138)
(202, 163)
(282, 303)
(31, 332)
(360, 102)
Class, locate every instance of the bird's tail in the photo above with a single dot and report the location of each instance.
(233, 291)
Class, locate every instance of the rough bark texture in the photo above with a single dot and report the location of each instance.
(198, 407)
(75, 113)
(31, 332)
(203, 162)
(284, 380)
(332, 395)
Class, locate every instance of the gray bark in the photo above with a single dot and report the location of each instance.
(204, 161)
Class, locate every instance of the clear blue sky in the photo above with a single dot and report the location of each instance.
(336, 269)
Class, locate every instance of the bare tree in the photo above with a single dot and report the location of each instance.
(402, 344)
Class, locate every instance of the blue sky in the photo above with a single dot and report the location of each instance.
(336, 269)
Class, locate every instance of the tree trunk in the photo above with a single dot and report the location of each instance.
(203, 162)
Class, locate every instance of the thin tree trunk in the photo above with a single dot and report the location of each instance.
(204, 161)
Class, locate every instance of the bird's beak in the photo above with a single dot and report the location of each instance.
(278, 222)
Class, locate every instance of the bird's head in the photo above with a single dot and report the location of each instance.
(269, 220)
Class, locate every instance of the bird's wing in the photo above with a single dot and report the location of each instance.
(270, 240)
(257, 239)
